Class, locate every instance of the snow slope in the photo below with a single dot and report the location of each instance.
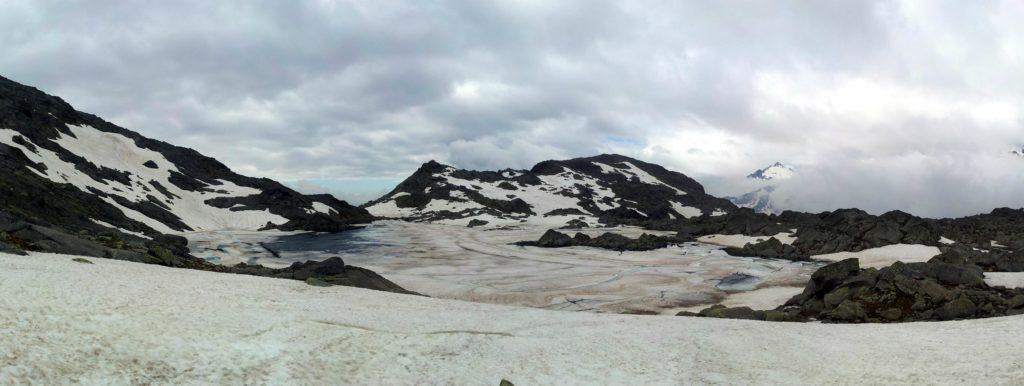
(60, 322)
(120, 153)
(553, 193)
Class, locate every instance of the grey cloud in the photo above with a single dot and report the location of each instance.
(313, 90)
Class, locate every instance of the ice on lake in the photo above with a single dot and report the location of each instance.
(481, 265)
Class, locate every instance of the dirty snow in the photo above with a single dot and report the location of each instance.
(61, 322)
(738, 241)
(885, 256)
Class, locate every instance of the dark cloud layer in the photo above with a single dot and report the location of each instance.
(910, 105)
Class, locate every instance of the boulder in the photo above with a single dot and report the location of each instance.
(554, 239)
(476, 223)
(959, 308)
(826, 278)
(849, 311)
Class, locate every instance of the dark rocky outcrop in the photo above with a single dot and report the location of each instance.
(842, 292)
(746, 313)
(332, 271)
(771, 249)
(854, 230)
(608, 240)
(993, 260)
(476, 223)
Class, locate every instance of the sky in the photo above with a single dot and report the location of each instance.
(911, 105)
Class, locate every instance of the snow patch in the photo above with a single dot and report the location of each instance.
(1005, 279)
(686, 211)
(108, 225)
(884, 256)
(739, 241)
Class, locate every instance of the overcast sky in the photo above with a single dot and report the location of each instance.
(880, 105)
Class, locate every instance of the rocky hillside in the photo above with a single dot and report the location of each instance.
(760, 201)
(76, 184)
(72, 169)
(604, 189)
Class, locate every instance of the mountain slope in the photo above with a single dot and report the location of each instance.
(762, 199)
(107, 175)
(76, 184)
(602, 189)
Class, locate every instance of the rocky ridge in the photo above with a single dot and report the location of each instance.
(606, 189)
(607, 240)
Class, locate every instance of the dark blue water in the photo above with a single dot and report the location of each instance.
(354, 241)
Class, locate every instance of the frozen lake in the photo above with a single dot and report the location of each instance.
(480, 265)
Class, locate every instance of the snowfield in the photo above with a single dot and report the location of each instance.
(115, 322)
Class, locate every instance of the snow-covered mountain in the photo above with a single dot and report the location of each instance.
(776, 171)
(762, 199)
(1018, 152)
(603, 189)
(74, 171)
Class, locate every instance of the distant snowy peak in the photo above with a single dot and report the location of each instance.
(97, 175)
(602, 189)
(1019, 152)
(776, 171)
(760, 200)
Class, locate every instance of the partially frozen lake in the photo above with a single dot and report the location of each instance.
(480, 265)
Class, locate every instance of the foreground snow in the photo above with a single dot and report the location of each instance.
(118, 322)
